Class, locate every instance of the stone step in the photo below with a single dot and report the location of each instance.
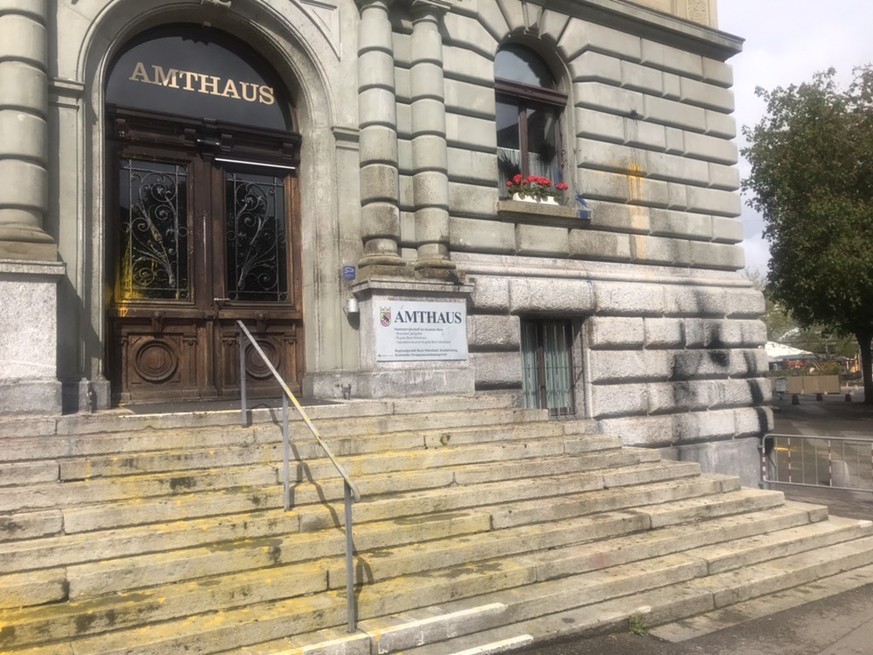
(545, 610)
(323, 515)
(72, 494)
(383, 554)
(547, 526)
(603, 540)
(195, 477)
(262, 445)
(768, 577)
(740, 553)
(206, 632)
(519, 502)
(127, 421)
(761, 606)
(548, 611)
(690, 491)
(110, 436)
(232, 557)
(115, 542)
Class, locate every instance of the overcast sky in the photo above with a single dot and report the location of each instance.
(786, 42)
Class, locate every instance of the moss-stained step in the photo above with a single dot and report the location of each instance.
(543, 554)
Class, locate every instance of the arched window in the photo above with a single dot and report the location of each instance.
(529, 108)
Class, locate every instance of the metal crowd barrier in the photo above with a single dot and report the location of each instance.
(817, 461)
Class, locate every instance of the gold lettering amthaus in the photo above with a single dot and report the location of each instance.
(202, 83)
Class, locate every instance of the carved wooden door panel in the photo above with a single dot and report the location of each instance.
(202, 241)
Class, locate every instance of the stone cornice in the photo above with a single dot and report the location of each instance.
(649, 23)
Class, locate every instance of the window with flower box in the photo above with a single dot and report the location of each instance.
(528, 117)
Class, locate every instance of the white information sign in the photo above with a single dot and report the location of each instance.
(408, 331)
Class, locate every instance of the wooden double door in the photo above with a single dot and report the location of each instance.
(201, 237)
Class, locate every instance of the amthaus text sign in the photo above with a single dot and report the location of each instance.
(408, 331)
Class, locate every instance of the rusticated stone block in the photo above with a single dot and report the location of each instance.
(691, 364)
(606, 97)
(674, 114)
(694, 301)
(742, 392)
(710, 148)
(31, 525)
(718, 72)
(641, 78)
(540, 240)
(594, 244)
(717, 256)
(472, 166)
(620, 217)
(728, 333)
(490, 294)
(727, 230)
(583, 35)
(724, 177)
(659, 250)
(599, 125)
(608, 332)
(708, 424)
(755, 421)
(475, 200)
(668, 58)
(673, 167)
(641, 430)
(694, 333)
(472, 234)
(720, 125)
(500, 370)
(551, 296)
(595, 66)
(663, 332)
(680, 224)
(489, 332)
(618, 400)
(743, 303)
(628, 366)
(623, 298)
(749, 363)
(707, 95)
(465, 64)
(688, 395)
(713, 201)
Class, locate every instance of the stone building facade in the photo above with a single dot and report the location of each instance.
(378, 137)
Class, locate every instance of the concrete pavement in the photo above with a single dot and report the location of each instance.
(826, 618)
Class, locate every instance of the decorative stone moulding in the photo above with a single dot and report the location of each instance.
(523, 197)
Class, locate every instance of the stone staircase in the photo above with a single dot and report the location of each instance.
(480, 525)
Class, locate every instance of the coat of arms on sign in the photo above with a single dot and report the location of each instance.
(385, 316)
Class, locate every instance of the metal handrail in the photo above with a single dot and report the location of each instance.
(769, 445)
(350, 489)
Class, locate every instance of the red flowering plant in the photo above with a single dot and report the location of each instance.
(536, 187)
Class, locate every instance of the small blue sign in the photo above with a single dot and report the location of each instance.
(349, 273)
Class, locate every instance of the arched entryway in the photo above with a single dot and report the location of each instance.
(203, 220)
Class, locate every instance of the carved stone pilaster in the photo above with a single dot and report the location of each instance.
(377, 119)
(429, 148)
(24, 129)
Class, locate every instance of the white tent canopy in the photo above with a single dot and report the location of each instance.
(779, 351)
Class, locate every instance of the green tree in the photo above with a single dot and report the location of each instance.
(811, 158)
(783, 328)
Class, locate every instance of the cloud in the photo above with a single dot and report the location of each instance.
(786, 43)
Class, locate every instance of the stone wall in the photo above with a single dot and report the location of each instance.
(668, 348)
(399, 176)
